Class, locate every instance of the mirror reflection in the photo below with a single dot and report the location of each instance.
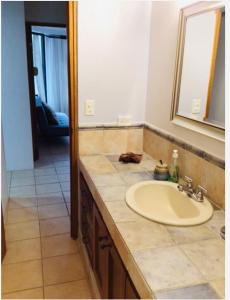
(200, 78)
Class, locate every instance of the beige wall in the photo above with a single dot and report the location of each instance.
(113, 48)
(162, 53)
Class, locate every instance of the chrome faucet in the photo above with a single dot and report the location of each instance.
(197, 195)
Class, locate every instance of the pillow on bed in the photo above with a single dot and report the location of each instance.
(50, 114)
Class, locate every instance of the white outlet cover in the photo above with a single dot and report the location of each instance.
(89, 107)
(196, 106)
(124, 120)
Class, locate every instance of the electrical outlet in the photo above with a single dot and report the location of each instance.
(124, 120)
(89, 107)
(196, 106)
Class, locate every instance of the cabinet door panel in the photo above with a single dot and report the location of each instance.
(101, 238)
(130, 290)
(112, 278)
(117, 275)
(86, 214)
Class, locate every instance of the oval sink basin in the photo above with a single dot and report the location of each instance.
(162, 202)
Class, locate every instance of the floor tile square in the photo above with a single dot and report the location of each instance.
(22, 276)
(48, 188)
(71, 290)
(63, 268)
(20, 251)
(58, 245)
(22, 231)
(51, 198)
(46, 179)
(26, 294)
(22, 191)
(54, 226)
(21, 202)
(52, 211)
(22, 215)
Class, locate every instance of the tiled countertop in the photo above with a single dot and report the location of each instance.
(163, 261)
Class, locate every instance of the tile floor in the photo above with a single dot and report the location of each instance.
(42, 261)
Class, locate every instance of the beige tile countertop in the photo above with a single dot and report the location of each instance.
(163, 261)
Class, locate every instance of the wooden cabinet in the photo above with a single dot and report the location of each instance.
(101, 245)
(130, 290)
(117, 275)
(86, 218)
(110, 273)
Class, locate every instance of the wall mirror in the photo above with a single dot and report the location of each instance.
(199, 86)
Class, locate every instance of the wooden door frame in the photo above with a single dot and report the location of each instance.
(3, 239)
(71, 26)
(72, 33)
(31, 81)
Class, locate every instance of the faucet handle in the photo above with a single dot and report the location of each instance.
(200, 192)
(188, 181)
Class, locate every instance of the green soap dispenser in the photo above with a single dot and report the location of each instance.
(174, 168)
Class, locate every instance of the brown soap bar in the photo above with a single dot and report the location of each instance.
(130, 157)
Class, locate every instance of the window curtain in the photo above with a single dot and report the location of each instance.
(37, 62)
(56, 74)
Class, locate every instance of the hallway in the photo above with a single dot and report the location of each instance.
(42, 261)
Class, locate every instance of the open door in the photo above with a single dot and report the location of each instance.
(73, 114)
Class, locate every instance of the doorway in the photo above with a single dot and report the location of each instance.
(52, 74)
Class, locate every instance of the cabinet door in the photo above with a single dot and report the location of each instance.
(130, 290)
(117, 275)
(86, 212)
(101, 246)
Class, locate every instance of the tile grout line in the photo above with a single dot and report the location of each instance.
(37, 220)
(85, 278)
(43, 290)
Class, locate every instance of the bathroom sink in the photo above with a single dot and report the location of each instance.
(162, 202)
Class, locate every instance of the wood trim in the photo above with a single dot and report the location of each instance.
(3, 240)
(31, 92)
(73, 113)
(213, 62)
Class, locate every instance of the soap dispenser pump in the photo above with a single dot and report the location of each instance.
(174, 168)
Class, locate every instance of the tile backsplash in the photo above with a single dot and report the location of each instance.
(110, 141)
(202, 172)
(139, 139)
